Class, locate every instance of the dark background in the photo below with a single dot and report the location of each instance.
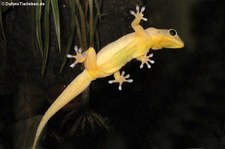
(178, 103)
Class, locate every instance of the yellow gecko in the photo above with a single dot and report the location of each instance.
(111, 58)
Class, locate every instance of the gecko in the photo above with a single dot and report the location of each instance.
(111, 58)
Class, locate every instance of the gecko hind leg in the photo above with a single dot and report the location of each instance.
(79, 56)
(120, 78)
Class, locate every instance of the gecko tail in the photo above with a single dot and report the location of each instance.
(78, 85)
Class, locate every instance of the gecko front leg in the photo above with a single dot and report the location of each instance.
(145, 59)
(138, 17)
(120, 79)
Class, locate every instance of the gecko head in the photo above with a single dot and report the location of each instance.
(163, 38)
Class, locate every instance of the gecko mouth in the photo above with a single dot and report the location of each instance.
(176, 44)
(180, 44)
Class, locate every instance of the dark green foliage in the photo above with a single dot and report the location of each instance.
(83, 26)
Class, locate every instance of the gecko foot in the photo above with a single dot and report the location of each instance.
(79, 57)
(146, 60)
(139, 14)
(121, 79)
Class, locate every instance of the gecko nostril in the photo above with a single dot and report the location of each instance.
(172, 32)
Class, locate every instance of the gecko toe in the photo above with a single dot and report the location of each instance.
(69, 56)
(144, 19)
(72, 65)
(130, 80)
(137, 8)
(132, 12)
(152, 62)
(142, 9)
(120, 87)
(111, 81)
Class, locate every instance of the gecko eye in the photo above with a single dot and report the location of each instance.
(172, 32)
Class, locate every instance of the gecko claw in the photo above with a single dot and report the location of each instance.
(79, 56)
(121, 79)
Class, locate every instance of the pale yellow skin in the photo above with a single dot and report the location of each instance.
(110, 59)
